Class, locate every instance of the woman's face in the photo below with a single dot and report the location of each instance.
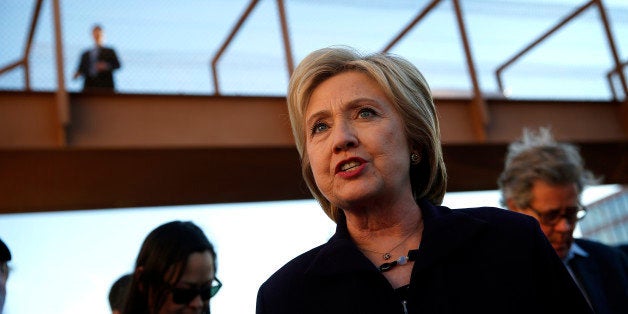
(356, 142)
(198, 273)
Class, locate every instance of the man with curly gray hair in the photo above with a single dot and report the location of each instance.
(544, 179)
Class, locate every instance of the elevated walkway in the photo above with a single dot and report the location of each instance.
(125, 150)
(66, 151)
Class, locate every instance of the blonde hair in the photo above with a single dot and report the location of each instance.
(410, 95)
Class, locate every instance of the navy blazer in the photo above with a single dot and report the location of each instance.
(104, 79)
(479, 260)
(603, 275)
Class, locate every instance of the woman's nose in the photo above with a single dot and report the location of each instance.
(344, 136)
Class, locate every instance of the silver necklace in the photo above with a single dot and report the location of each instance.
(402, 260)
(386, 255)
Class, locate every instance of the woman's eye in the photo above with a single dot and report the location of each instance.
(366, 113)
(319, 127)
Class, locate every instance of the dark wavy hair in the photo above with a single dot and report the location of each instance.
(118, 292)
(162, 258)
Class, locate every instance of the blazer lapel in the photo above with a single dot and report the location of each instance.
(445, 231)
(440, 238)
(588, 275)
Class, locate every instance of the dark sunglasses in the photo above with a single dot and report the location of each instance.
(185, 296)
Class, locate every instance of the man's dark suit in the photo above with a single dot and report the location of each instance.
(604, 276)
(103, 80)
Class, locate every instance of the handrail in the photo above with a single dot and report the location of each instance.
(478, 99)
(223, 47)
(428, 8)
(61, 94)
(616, 59)
(61, 99)
(24, 61)
(535, 42)
(236, 28)
(12, 66)
(479, 111)
(564, 21)
(286, 37)
(609, 74)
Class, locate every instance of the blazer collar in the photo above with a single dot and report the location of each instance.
(445, 231)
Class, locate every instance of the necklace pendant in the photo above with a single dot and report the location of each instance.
(386, 256)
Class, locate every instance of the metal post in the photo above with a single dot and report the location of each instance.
(286, 36)
(478, 109)
(222, 49)
(29, 44)
(612, 47)
(63, 114)
(411, 25)
(537, 41)
(623, 110)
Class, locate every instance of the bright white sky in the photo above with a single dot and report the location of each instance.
(165, 47)
(65, 262)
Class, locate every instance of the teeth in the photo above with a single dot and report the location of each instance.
(349, 165)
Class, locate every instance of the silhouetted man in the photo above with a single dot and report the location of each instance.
(97, 64)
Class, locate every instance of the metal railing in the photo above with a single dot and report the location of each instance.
(609, 78)
(479, 112)
(24, 60)
(617, 69)
(284, 31)
(61, 94)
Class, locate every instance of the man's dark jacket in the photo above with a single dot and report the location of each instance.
(603, 275)
(103, 80)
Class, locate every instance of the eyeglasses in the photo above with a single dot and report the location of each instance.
(552, 217)
(185, 296)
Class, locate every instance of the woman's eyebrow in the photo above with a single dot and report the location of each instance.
(317, 116)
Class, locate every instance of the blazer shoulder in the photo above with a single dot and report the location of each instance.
(510, 228)
(494, 215)
(293, 270)
(597, 248)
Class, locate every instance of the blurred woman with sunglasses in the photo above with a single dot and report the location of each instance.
(174, 272)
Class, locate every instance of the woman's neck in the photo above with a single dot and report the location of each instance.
(385, 238)
(381, 229)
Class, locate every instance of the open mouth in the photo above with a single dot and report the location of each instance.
(350, 165)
